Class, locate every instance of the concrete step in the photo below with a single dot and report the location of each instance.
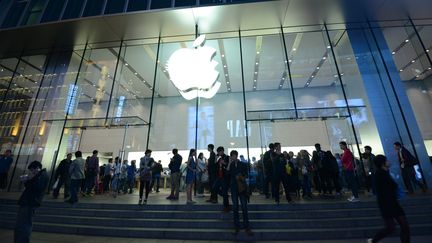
(219, 234)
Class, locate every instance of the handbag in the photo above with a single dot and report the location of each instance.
(145, 174)
(205, 177)
(55, 184)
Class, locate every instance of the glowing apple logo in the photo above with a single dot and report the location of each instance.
(192, 71)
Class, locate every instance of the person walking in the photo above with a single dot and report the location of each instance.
(156, 175)
(63, 177)
(108, 174)
(174, 167)
(212, 171)
(35, 184)
(145, 172)
(368, 161)
(406, 163)
(391, 211)
(76, 172)
(91, 172)
(131, 171)
(348, 167)
(238, 171)
(190, 175)
(5, 163)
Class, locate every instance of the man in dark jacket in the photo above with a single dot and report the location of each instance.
(222, 178)
(407, 162)
(268, 170)
(174, 167)
(238, 171)
(63, 177)
(5, 163)
(391, 211)
(35, 184)
(91, 171)
(212, 170)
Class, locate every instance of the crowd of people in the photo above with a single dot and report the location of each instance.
(323, 173)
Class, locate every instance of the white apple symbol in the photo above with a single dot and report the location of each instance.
(192, 71)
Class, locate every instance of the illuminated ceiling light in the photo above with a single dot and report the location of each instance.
(254, 80)
(400, 70)
(417, 76)
(256, 72)
(290, 60)
(312, 76)
(406, 40)
(226, 75)
(427, 50)
(283, 78)
(254, 87)
(223, 55)
(280, 85)
(286, 61)
(2, 70)
(224, 66)
(256, 63)
(294, 49)
(424, 91)
(126, 64)
(413, 61)
(317, 68)
(429, 68)
(258, 52)
(328, 47)
(228, 82)
(342, 74)
(136, 73)
(393, 52)
(94, 85)
(158, 61)
(324, 58)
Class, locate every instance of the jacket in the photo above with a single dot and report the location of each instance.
(76, 169)
(386, 193)
(34, 190)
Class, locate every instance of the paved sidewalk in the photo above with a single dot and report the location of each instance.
(7, 236)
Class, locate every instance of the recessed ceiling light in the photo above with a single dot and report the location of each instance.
(324, 58)
(342, 74)
(424, 91)
(226, 75)
(126, 64)
(256, 63)
(223, 55)
(393, 52)
(294, 49)
(224, 66)
(317, 67)
(228, 82)
(258, 52)
(312, 76)
(413, 61)
(283, 78)
(401, 70)
(256, 72)
(136, 73)
(429, 68)
(417, 76)
(328, 47)
(427, 50)
(406, 40)
(254, 80)
(290, 60)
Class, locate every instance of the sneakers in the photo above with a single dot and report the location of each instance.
(353, 199)
(145, 201)
(170, 197)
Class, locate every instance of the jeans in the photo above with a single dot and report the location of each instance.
(235, 196)
(199, 184)
(306, 185)
(146, 185)
(24, 224)
(352, 182)
(3, 180)
(175, 184)
(220, 186)
(267, 180)
(66, 182)
(90, 182)
(115, 183)
(213, 192)
(156, 178)
(74, 189)
(409, 178)
(276, 184)
(390, 228)
(106, 182)
(130, 184)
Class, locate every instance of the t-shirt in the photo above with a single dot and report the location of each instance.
(5, 163)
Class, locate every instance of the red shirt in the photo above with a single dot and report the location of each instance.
(347, 160)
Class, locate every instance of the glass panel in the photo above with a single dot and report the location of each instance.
(95, 83)
(137, 5)
(33, 12)
(411, 60)
(210, 2)
(14, 15)
(185, 3)
(115, 6)
(155, 4)
(53, 10)
(171, 113)
(73, 9)
(93, 7)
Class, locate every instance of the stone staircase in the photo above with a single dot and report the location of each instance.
(300, 221)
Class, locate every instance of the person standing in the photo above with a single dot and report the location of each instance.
(222, 180)
(76, 172)
(92, 170)
(238, 172)
(63, 177)
(212, 170)
(156, 175)
(348, 167)
(5, 163)
(145, 171)
(174, 167)
(406, 163)
(319, 177)
(391, 211)
(108, 173)
(123, 176)
(201, 169)
(281, 171)
(35, 184)
(305, 168)
(333, 173)
(190, 175)
(131, 171)
(268, 171)
(368, 161)
(115, 182)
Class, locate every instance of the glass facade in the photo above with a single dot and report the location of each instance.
(363, 83)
